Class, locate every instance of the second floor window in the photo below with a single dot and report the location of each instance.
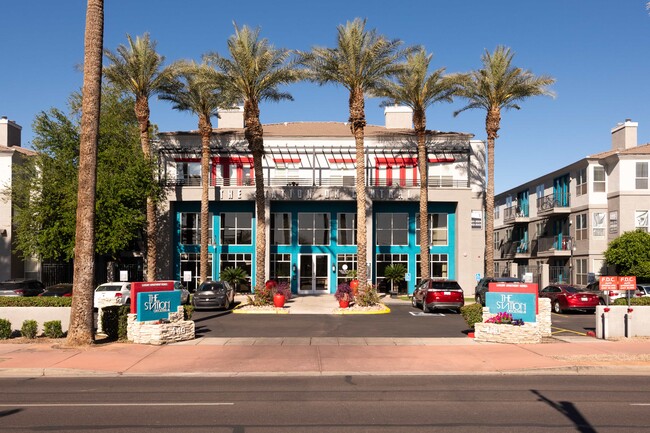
(313, 228)
(581, 226)
(599, 178)
(188, 173)
(437, 223)
(191, 228)
(281, 228)
(641, 175)
(236, 228)
(581, 182)
(347, 229)
(392, 229)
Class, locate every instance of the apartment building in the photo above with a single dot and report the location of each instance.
(11, 155)
(309, 175)
(566, 218)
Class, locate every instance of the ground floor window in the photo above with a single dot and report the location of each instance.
(438, 267)
(345, 263)
(238, 260)
(581, 272)
(385, 260)
(191, 263)
(281, 267)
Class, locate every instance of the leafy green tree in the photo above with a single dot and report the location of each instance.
(45, 187)
(497, 86)
(359, 62)
(630, 254)
(418, 89)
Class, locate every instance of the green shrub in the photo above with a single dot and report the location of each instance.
(35, 301)
(52, 329)
(367, 297)
(29, 329)
(633, 301)
(472, 313)
(5, 329)
(188, 310)
(114, 321)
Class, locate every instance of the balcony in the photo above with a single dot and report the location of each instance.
(519, 249)
(554, 246)
(554, 204)
(515, 214)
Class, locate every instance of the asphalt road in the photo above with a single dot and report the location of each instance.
(404, 321)
(586, 404)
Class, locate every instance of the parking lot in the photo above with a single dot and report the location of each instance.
(404, 321)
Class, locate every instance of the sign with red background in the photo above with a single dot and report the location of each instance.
(516, 288)
(147, 286)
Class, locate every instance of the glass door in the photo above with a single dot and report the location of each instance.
(313, 272)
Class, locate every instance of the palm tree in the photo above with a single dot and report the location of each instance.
(194, 92)
(497, 85)
(360, 61)
(415, 89)
(81, 314)
(253, 73)
(138, 69)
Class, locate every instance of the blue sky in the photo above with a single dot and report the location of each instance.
(596, 49)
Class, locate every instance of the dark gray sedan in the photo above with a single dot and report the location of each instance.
(214, 294)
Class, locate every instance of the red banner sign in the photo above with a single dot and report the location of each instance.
(627, 283)
(608, 283)
(150, 286)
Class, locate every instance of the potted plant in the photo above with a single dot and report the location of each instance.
(394, 274)
(344, 295)
(234, 275)
(352, 280)
(278, 297)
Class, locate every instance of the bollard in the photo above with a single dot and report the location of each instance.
(606, 310)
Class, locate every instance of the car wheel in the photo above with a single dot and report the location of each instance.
(414, 301)
(226, 306)
(425, 309)
(478, 299)
(556, 307)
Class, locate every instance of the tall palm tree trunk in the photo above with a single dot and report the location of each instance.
(80, 331)
(419, 122)
(255, 136)
(142, 114)
(492, 124)
(357, 125)
(205, 127)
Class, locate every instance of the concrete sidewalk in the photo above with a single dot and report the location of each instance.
(314, 357)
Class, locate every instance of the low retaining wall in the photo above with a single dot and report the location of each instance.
(619, 322)
(17, 315)
(160, 332)
(528, 333)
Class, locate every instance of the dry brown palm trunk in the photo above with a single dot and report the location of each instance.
(492, 124)
(142, 114)
(205, 127)
(357, 126)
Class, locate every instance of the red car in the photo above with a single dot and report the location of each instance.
(431, 294)
(564, 297)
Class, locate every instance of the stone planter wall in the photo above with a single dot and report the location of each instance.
(157, 333)
(528, 333)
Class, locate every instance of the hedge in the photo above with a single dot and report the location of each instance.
(35, 301)
(633, 301)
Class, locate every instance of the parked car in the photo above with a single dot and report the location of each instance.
(185, 294)
(642, 291)
(21, 288)
(483, 286)
(214, 294)
(118, 292)
(607, 297)
(58, 290)
(431, 294)
(565, 297)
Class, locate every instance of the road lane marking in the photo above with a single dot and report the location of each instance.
(559, 330)
(420, 314)
(639, 404)
(110, 404)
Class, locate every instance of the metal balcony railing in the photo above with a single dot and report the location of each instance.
(552, 201)
(554, 243)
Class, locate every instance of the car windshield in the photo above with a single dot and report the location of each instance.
(209, 287)
(445, 285)
(572, 289)
(110, 288)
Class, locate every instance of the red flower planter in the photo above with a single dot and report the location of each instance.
(344, 304)
(354, 285)
(278, 300)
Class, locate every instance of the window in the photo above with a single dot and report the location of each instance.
(347, 229)
(438, 266)
(344, 264)
(437, 228)
(641, 220)
(599, 178)
(280, 229)
(598, 224)
(191, 262)
(496, 211)
(188, 173)
(539, 190)
(383, 261)
(313, 229)
(392, 229)
(497, 240)
(581, 226)
(539, 229)
(581, 272)
(581, 182)
(236, 228)
(191, 228)
(641, 175)
(243, 261)
(280, 267)
(497, 269)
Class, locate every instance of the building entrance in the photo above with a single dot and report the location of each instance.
(313, 274)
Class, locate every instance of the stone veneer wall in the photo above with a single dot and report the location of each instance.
(528, 333)
(158, 332)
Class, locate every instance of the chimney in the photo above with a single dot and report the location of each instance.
(624, 135)
(398, 117)
(231, 118)
(9, 132)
